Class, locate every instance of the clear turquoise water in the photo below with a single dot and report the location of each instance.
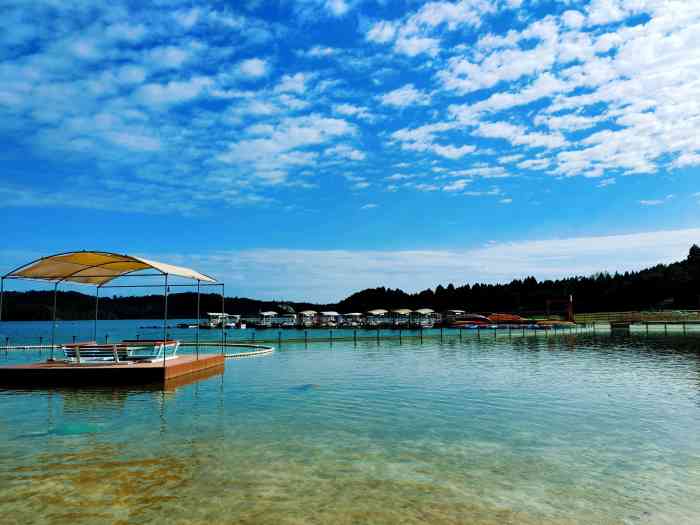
(567, 429)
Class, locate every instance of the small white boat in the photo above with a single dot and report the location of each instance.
(229, 321)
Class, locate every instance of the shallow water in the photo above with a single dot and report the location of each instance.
(567, 429)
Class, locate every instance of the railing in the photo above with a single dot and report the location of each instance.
(639, 317)
(269, 337)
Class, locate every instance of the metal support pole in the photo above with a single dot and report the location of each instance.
(165, 315)
(354, 336)
(330, 332)
(223, 311)
(97, 305)
(2, 294)
(421, 335)
(441, 335)
(53, 324)
(400, 341)
(198, 320)
(460, 335)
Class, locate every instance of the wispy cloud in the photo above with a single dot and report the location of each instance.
(656, 202)
(329, 275)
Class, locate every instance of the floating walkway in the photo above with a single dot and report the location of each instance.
(57, 373)
(256, 350)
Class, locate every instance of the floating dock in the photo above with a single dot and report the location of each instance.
(58, 373)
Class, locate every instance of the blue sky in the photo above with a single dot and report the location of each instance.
(306, 149)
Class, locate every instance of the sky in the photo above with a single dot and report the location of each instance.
(306, 149)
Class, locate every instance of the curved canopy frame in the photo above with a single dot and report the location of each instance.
(96, 268)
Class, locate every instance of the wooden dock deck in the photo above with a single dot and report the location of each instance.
(63, 374)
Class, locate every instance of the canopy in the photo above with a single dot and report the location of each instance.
(425, 311)
(96, 268)
(378, 311)
(402, 311)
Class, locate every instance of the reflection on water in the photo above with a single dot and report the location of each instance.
(560, 430)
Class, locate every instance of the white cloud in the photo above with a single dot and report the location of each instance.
(453, 152)
(174, 92)
(369, 206)
(346, 152)
(656, 202)
(411, 35)
(382, 32)
(351, 110)
(273, 149)
(415, 45)
(457, 185)
(253, 68)
(518, 135)
(573, 19)
(404, 96)
(606, 182)
(294, 83)
(126, 32)
(464, 75)
(320, 51)
(423, 139)
(534, 164)
(187, 18)
(400, 176)
(423, 186)
(171, 57)
(337, 7)
(687, 159)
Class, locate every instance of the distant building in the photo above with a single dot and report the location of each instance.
(452, 315)
(401, 317)
(329, 318)
(377, 317)
(425, 318)
(308, 318)
(353, 319)
(266, 319)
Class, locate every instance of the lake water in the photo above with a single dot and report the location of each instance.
(535, 430)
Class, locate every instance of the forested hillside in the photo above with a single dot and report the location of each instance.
(671, 286)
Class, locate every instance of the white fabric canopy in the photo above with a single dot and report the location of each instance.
(97, 268)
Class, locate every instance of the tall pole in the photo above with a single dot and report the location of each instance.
(165, 316)
(198, 319)
(97, 306)
(53, 324)
(223, 311)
